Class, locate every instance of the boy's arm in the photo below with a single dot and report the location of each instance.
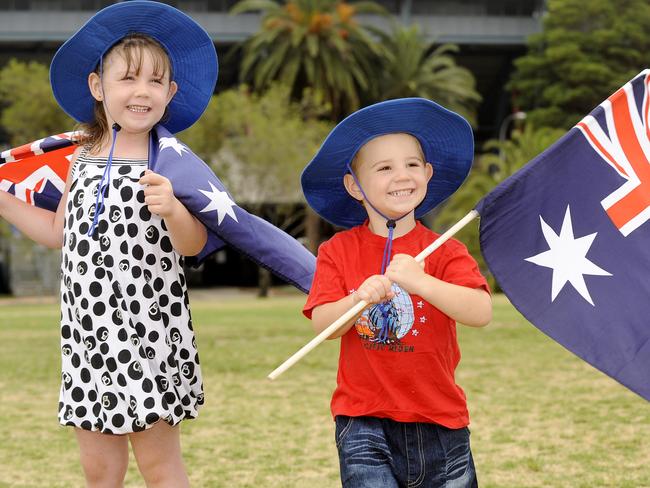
(42, 226)
(187, 233)
(469, 306)
(375, 289)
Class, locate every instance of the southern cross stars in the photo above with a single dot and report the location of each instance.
(567, 258)
(221, 202)
(172, 142)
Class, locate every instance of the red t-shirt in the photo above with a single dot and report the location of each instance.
(409, 378)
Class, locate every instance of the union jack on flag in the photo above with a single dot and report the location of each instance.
(568, 239)
(618, 132)
(36, 174)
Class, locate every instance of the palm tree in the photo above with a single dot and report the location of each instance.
(412, 67)
(316, 43)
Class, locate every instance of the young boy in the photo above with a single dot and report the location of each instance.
(401, 419)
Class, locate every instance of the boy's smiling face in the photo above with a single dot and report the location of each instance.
(393, 174)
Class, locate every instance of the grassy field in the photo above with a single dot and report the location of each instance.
(540, 416)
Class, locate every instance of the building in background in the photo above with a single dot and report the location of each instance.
(490, 33)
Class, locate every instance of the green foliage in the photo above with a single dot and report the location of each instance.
(501, 159)
(29, 110)
(315, 43)
(259, 143)
(412, 67)
(585, 52)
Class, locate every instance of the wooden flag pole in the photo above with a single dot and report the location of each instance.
(354, 311)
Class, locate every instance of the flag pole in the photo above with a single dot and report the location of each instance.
(354, 311)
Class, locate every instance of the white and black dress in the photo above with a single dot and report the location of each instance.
(129, 356)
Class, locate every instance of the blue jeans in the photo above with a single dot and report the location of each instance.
(382, 453)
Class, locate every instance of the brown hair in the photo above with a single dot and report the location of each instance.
(131, 48)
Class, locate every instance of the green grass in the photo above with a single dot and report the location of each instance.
(540, 416)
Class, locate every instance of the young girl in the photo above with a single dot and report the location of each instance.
(129, 359)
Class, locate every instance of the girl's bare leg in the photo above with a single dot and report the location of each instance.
(104, 458)
(158, 453)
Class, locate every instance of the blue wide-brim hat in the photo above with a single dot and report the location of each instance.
(190, 49)
(446, 139)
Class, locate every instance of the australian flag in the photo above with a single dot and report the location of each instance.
(36, 174)
(568, 237)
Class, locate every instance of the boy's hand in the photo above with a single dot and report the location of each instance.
(375, 289)
(158, 194)
(406, 272)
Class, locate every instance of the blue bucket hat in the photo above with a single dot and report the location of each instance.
(190, 49)
(446, 139)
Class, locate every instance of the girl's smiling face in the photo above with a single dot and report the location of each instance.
(393, 174)
(135, 89)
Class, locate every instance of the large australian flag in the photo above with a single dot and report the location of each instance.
(36, 174)
(568, 237)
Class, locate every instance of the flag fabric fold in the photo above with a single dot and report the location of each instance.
(568, 239)
(36, 174)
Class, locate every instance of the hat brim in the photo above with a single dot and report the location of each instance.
(190, 49)
(446, 139)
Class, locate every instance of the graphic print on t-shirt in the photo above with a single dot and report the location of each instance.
(387, 322)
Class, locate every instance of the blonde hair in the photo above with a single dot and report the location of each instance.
(131, 48)
(354, 164)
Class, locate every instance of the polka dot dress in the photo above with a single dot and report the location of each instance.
(129, 356)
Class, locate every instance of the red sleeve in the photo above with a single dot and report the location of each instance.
(460, 268)
(328, 285)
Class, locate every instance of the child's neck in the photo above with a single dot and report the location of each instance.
(128, 145)
(403, 226)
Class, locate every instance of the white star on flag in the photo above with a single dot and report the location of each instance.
(423, 319)
(172, 142)
(566, 257)
(420, 304)
(221, 202)
(414, 332)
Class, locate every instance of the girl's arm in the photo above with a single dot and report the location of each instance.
(469, 306)
(40, 225)
(375, 289)
(187, 233)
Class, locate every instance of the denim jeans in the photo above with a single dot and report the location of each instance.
(382, 453)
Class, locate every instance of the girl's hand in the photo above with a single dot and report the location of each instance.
(375, 289)
(158, 194)
(406, 272)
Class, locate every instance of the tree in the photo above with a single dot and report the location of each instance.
(315, 43)
(412, 67)
(500, 160)
(29, 109)
(585, 52)
(264, 141)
